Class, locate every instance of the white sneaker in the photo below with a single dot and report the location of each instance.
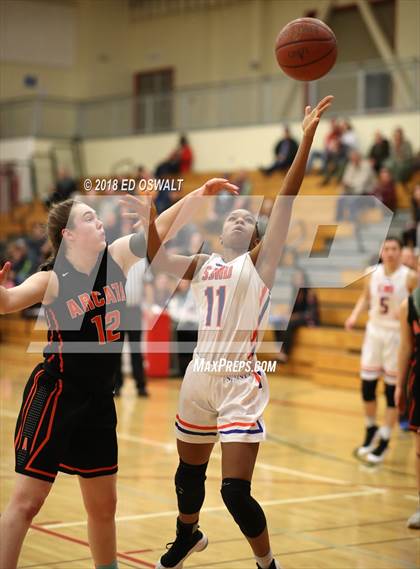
(413, 521)
(378, 454)
(371, 437)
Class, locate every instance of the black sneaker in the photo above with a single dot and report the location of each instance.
(273, 565)
(142, 392)
(378, 454)
(188, 540)
(369, 442)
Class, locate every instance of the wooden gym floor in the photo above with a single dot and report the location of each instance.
(324, 509)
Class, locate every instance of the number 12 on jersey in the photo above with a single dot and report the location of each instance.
(221, 297)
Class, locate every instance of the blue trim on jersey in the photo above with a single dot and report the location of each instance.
(264, 308)
(188, 432)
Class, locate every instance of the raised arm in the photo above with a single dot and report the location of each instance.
(181, 266)
(32, 291)
(267, 253)
(174, 218)
(127, 250)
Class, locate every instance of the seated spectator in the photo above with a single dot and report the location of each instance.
(409, 258)
(64, 187)
(410, 234)
(178, 162)
(348, 137)
(335, 161)
(141, 174)
(358, 180)
(36, 243)
(400, 161)
(379, 151)
(241, 179)
(330, 143)
(22, 265)
(284, 153)
(385, 189)
(264, 215)
(305, 313)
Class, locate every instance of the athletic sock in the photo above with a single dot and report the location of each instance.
(385, 432)
(265, 562)
(370, 421)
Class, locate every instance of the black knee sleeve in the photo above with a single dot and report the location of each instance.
(389, 395)
(246, 511)
(189, 486)
(369, 389)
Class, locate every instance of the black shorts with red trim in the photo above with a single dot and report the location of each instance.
(413, 399)
(60, 428)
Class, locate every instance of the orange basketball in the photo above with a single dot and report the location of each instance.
(306, 49)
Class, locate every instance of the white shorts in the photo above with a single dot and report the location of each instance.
(214, 406)
(380, 354)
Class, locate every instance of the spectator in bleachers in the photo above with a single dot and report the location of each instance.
(335, 162)
(178, 162)
(22, 265)
(305, 313)
(264, 214)
(242, 180)
(64, 188)
(379, 151)
(358, 180)
(400, 161)
(142, 174)
(409, 258)
(330, 144)
(348, 137)
(284, 153)
(385, 189)
(36, 242)
(410, 234)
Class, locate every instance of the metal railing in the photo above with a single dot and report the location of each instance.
(359, 89)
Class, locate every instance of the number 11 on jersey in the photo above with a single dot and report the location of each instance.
(221, 294)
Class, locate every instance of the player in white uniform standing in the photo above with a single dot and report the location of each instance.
(385, 289)
(222, 395)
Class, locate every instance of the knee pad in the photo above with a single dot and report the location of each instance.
(369, 389)
(189, 486)
(245, 510)
(389, 395)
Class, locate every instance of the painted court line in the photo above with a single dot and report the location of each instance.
(170, 513)
(413, 498)
(47, 530)
(171, 447)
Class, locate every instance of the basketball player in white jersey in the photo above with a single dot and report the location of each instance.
(385, 289)
(223, 394)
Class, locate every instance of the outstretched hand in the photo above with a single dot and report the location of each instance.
(313, 116)
(144, 209)
(4, 272)
(216, 185)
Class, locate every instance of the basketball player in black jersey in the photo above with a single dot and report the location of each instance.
(409, 367)
(67, 420)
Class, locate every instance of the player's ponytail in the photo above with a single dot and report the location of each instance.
(59, 218)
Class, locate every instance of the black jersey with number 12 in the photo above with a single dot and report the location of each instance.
(85, 322)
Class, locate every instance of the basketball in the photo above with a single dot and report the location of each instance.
(306, 49)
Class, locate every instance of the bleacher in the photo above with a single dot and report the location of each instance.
(328, 355)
